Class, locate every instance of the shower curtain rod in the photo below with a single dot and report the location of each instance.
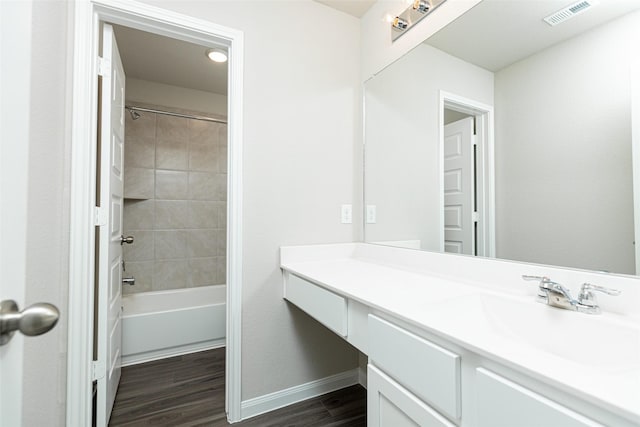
(169, 113)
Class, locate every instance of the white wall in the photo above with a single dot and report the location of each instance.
(148, 92)
(563, 154)
(402, 145)
(301, 109)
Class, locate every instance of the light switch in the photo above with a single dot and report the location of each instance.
(371, 214)
(346, 214)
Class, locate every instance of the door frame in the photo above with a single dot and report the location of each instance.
(87, 17)
(485, 170)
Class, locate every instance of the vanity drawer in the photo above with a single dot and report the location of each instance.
(502, 403)
(429, 371)
(324, 306)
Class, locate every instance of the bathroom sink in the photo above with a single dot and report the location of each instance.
(595, 340)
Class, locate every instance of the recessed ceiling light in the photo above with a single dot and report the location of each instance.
(217, 55)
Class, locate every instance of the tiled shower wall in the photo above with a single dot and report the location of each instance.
(175, 202)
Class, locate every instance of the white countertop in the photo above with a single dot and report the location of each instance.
(419, 298)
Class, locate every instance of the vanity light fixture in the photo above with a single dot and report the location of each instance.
(399, 24)
(217, 55)
(417, 10)
(421, 6)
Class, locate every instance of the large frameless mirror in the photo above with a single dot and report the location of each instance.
(505, 136)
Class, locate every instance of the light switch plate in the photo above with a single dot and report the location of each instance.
(346, 214)
(371, 214)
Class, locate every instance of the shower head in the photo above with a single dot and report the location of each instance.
(134, 114)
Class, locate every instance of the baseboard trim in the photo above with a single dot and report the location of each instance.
(150, 356)
(279, 399)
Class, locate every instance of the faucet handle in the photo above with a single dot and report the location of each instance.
(586, 287)
(543, 286)
(541, 279)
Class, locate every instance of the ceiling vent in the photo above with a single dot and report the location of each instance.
(569, 12)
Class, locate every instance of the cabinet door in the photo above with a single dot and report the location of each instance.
(391, 405)
(429, 371)
(502, 403)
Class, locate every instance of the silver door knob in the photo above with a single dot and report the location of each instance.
(128, 240)
(129, 281)
(34, 320)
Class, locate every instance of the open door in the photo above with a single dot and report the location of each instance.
(459, 188)
(109, 256)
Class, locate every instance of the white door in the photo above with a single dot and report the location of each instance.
(109, 333)
(459, 191)
(15, 25)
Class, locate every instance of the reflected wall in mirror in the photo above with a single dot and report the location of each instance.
(553, 176)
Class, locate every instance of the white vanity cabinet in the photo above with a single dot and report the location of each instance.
(426, 370)
(501, 403)
(390, 404)
(411, 381)
(326, 307)
(346, 317)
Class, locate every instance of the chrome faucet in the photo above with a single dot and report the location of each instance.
(554, 294)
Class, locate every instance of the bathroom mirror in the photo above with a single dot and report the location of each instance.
(544, 173)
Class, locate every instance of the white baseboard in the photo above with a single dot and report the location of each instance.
(279, 399)
(150, 356)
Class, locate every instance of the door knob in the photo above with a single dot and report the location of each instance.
(128, 240)
(34, 320)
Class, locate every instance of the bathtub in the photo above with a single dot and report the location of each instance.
(169, 323)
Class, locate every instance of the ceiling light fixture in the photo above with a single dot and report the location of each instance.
(217, 55)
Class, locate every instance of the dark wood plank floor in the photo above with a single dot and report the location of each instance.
(189, 391)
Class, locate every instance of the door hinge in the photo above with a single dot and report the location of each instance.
(97, 370)
(100, 216)
(104, 67)
(474, 140)
(475, 217)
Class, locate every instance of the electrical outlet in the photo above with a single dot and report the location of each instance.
(346, 214)
(371, 214)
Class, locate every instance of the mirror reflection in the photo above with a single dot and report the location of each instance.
(505, 136)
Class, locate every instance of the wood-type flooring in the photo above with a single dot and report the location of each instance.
(188, 391)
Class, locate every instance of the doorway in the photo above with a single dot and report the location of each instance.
(83, 193)
(467, 214)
